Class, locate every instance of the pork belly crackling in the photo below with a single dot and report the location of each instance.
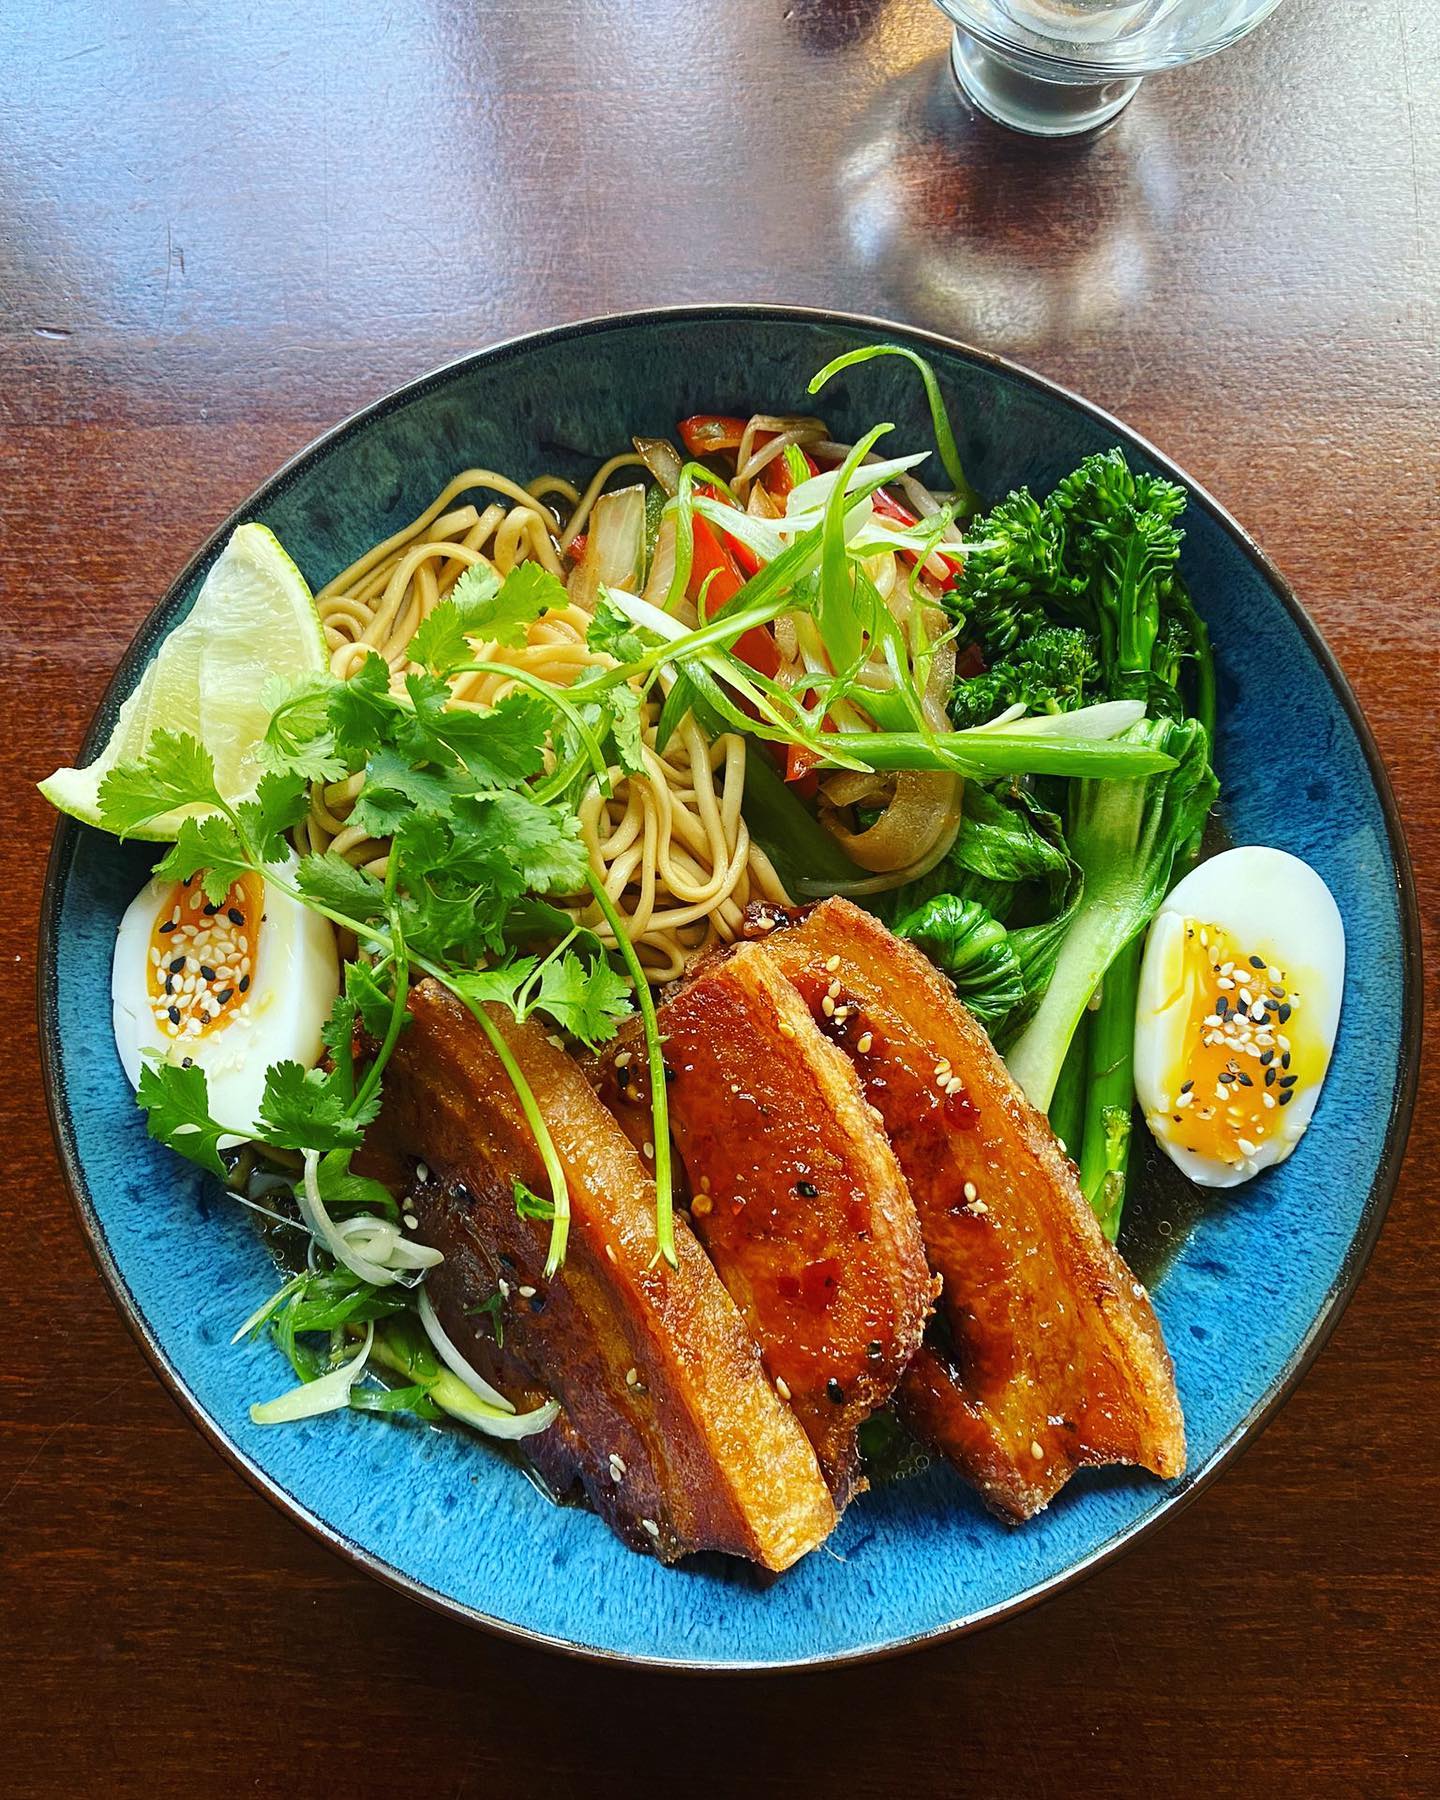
(1047, 1354)
(795, 1192)
(669, 1421)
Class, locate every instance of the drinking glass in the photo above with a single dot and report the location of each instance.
(1053, 68)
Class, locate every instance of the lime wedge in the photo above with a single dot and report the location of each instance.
(253, 618)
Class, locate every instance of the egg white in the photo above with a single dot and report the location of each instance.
(1268, 903)
(293, 986)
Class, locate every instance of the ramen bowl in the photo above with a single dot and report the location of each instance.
(1247, 1288)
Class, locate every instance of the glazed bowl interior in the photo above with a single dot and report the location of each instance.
(1246, 1294)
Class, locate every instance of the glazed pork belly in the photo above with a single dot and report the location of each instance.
(668, 1422)
(795, 1192)
(1047, 1354)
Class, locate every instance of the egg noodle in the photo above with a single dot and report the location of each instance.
(671, 845)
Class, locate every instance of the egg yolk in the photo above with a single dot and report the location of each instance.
(1245, 1051)
(202, 957)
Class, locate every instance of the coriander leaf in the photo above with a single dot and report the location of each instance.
(209, 848)
(626, 729)
(529, 1205)
(483, 608)
(176, 770)
(298, 738)
(499, 748)
(177, 1112)
(371, 1002)
(612, 634)
(281, 801)
(524, 845)
(502, 984)
(332, 882)
(588, 999)
(362, 712)
(338, 1036)
(493, 1306)
(339, 1188)
(306, 1110)
(393, 786)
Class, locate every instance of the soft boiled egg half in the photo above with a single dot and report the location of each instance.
(1239, 1001)
(233, 987)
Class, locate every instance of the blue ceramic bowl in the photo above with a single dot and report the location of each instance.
(1246, 1299)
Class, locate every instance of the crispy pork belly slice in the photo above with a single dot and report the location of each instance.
(796, 1194)
(1048, 1355)
(669, 1421)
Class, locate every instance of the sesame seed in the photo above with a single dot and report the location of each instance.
(833, 990)
(411, 1222)
(834, 1393)
(1267, 1100)
(649, 1151)
(833, 964)
(1036, 1451)
(865, 1041)
(622, 1060)
(978, 1206)
(971, 1191)
(526, 1292)
(235, 916)
(173, 1014)
(702, 1206)
(1244, 1145)
(617, 1466)
(651, 1527)
(610, 1252)
(632, 1376)
(782, 1387)
(1257, 962)
(954, 1085)
(827, 1006)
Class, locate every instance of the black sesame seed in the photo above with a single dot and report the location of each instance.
(874, 1349)
(169, 984)
(244, 983)
(1287, 1096)
(169, 926)
(207, 972)
(1257, 962)
(1266, 1058)
(834, 1393)
(1185, 1086)
(235, 916)
(1244, 1079)
(1227, 1075)
(187, 1062)
(669, 1071)
(1284, 1013)
(177, 963)
(1270, 1078)
(1285, 1060)
(173, 1014)
(1288, 1081)
(1222, 1006)
(807, 1189)
(209, 910)
(224, 995)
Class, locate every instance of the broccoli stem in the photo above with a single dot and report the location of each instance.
(1110, 1091)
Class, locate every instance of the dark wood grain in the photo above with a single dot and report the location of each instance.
(222, 228)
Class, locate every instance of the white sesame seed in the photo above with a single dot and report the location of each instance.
(1225, 986)
(1268, 1102)
(617, 1466)
(622, 1060)
(1245, 1145)
(526, 1292)
(1036, 1451)
(971, 1191)
(954, 1085)
(610, 1252)
(833, 990)
(421, 1172)
(632, 1377)
(978, 1206)
(155, 958)
(866, 1040)
(651, 1527)
(650, 1150)
(1275, 976)
(411, 1222)
(827, 1006)
(833, 964)
(782, 1387)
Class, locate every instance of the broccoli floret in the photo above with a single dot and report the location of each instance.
(1054, 670)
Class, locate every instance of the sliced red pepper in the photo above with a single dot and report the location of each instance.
(577, 548)
(777, 478)
(890, 508)
(742, 554)
(706, 433)
(755, 647)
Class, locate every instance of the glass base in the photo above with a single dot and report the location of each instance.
(1011, 93)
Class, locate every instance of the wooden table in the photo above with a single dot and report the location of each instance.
(224, 228)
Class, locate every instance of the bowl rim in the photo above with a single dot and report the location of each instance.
(67, 837)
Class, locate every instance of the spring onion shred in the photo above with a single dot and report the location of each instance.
(331, 1393)
(453, 1359)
